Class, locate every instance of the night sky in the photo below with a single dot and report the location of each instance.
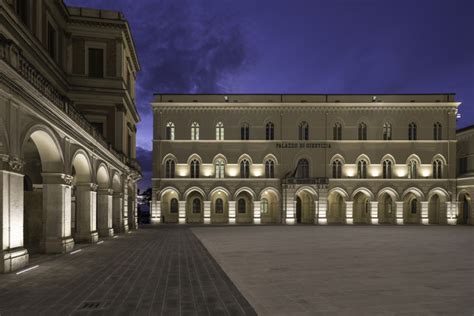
(298, 46)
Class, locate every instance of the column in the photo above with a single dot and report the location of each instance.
(13, 255)
(104, 212)
(349, 209)
(124, 209)
(451, 211)
(132, 208)
(399, 212)
(322, 207)
(374, 212)
(232, 212)
(290, 205)
(207, 212)
(57, 213)
(182, 212)
(424, 213)
(86, 212)
(257, 212)
(117, 213)
(155, 207)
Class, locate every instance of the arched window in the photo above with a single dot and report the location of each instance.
(241, 206)
(245, 169)
(219, 131)
(264, 206)
(170, 131)
(220, 168)
(337, 131)
(174, 206)
(362, 131)
(412, 131)
(195, 131)
(245, 132)
(269, 131)
(387, 131)
(413, 206)
(219, 209)
(337, 169)
(169, 168)
(387, 169)
(194, 168)
(302, 170)
(437, 131)
(303, 131)
(196, 205)
(412, 169)
(437, 169)
(362, 169)
(269, 169)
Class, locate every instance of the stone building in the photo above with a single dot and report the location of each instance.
(67, 127)
(316, 159)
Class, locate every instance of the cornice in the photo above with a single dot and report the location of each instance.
(262, 141)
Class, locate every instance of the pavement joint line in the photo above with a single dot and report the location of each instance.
(28, 269)
(75, 251)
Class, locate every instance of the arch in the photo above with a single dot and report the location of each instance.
(270, 205)
(194, 156)
(307, 189)
(464, 207)
(192, 189)
(168, 189)
(244, 157)
(388, 157)
(269, 130)
(219, 156)
(363, 190)
(439, 157)
(116, 182)
(47, 144)
(387, 208)
(102, 176)
(271, 189)
(361, 209)
(219, 199)
(169, 156)
(270, 157)
(439, 191)
(336, 211)
(337, 157)
(305, 198)
(244, 189)
(340, 191)
(217, 189)
(82, 165)
(390, 191)
(417, 192)
(413, 157)
(363, 157)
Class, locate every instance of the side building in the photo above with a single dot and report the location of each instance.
(67, 128)
(465, 170)
(316, 159)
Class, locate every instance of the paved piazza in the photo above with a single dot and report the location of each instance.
(348, 270)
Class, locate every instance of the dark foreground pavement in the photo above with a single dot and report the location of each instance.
(162, 270)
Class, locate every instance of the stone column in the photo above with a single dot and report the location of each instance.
(182, 212)
(451, 211)
(57, 213)
(290, 205)
(155, 207)
(374, 212)
(322, 208)
(232, 212)
(132, 217)
(207, 212)
(424, 213)
(349, 209)
(125, 210)
(13, 255)
(104, 212)
(117, 213)
(86, 202)
(257, 212)
(399, 212)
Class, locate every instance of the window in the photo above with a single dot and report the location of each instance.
(195, 131)
(412, 169)
(387, 131)
(99, 126)
(196, 205)
(463, 165)
(220, 168)
(244, 169)
(244, 131)
(362, 131)
(264, 206)
(170, 131)
(303, 131)
(241, 206)
(96, 62)
(51, 41)
(362, 169)
(269, 131)
(412, 131)
(169, 168)
(387, 169)
(337, 169)
(219, 209)
(437, 131)
(269, 169)
(413, 206)
(174, 206)
(302, 170)
(437, 169)
(129, 146)
(219, 131)
(194, 168)
(337, 131)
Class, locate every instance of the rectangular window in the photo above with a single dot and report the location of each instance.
(96, 62)
(51, 41)
(463, 165)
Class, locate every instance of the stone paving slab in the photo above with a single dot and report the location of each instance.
(348, 270)
(158, 270)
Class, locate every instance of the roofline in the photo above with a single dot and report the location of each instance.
(466, 128)
(316, 94)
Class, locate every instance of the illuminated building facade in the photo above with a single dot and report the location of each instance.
(315, 159)
(67, 128)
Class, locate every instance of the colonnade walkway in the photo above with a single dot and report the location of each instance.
(157, 270)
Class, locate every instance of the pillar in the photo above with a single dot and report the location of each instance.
(349, 209)
(207, 212)
(57, 213)
(182, 212)
(232, 212)
(13, 255)
(290, 206)
(132, 209)
(399, 212)
(374, 212)
(322, 208)
(155, 207)
(86, 202)
(451, 212)
(117, 213)
(424, 213)
(124, 209)
(257, 212)
(104, 212)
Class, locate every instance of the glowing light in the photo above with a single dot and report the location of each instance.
(232, 170)
(349, 171)
(401, 172)
(375, 172)
(425, 172)
(28, 269)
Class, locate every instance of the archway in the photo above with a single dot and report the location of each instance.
(244, 207)
(117, 204)
(195, 207)
(219, 206)
(465, 207)
(269, 207)
(170, 206)
(336, 208)
(411, 208)
(361, 208)
(104, 202)
(305, 207)
(387, 213)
